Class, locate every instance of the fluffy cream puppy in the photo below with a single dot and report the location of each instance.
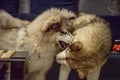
(88, 49)
(38, 38)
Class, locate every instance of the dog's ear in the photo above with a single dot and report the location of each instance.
(76, 46)
(71, 29)
(83, 20)
(52, 23)
(7, 21)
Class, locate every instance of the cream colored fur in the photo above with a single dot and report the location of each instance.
(7, 21)
(37, 37)
(93, 38)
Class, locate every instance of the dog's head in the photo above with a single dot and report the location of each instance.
(73, 57)
(51, 24)
(88, 47)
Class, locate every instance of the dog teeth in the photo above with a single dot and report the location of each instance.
(63, 44)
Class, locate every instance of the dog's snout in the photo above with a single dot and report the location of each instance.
(61, 55)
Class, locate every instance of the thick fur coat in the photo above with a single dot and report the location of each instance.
(89, 47)
(37, 37)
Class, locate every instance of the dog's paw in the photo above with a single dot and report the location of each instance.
(52, 23)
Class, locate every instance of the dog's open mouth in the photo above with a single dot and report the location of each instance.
(63, 44)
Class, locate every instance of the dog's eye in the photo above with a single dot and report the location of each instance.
(63, 32)
(71, 18)
(55, 26)
(76, 46)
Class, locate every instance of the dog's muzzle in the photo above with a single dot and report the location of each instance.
(61, 58)
(63, 40)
